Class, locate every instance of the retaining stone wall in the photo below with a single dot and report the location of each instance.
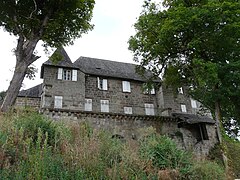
(132, 127)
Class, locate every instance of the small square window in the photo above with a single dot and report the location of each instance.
(149, 109)
(128, 110)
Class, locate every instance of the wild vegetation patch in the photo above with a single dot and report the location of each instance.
(33, 147)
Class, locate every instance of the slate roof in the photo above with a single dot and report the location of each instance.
(192, 118)
(34, 92)
(107, 68)
(65, 62)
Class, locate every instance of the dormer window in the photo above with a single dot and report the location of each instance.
(67, 74)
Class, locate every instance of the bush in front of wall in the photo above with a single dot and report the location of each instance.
(164, 154)
(207, 170)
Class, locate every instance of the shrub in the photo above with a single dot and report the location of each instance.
(164, 154)
(233, 154)
(206, 170)
(32, 122)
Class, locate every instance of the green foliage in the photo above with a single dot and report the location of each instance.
(206, 171)
(54, 22)
(233, 154)
(196, 44)
(32, 147)
(32, 122)
(164, 154)
(215, 154)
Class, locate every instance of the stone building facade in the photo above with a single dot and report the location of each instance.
(111, 95)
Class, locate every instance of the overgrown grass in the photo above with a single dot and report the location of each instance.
(33, 147)
(233, 153)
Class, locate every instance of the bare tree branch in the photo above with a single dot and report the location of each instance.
(35, 4)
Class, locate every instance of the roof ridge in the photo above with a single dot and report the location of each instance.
(105, 60)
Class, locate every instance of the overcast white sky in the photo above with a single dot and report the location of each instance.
(113, 20)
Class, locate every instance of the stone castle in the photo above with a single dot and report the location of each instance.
(111, 95)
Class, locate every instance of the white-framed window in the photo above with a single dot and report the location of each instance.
(127, 110)
(58, 101)
(126, 86)
(102, 83)
(149, 109)
(193, 103)
(180, 90)
(88, 105)
(183, 108)
(67, 74)
(104, 105)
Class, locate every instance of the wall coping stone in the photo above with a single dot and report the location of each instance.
(78, 113)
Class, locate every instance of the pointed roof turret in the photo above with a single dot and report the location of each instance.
(59, 58)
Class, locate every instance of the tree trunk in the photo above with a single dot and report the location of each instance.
(15, 85)
(24, 57)
(219, 128)
(218, 120)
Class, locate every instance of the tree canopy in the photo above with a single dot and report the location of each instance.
(196, 44)
(55, 22)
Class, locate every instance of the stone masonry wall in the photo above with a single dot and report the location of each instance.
(133, 126)
(27, 102)
(117, 98)
(73, 92)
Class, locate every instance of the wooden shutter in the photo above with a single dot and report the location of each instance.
(149, 109)
(74, 75)
(104, 84)
(128, 110)
(104, 105)
(126, 86)
(58, 101)
(193, 103)
(88, 104)
(99, 83)
(60, 73)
